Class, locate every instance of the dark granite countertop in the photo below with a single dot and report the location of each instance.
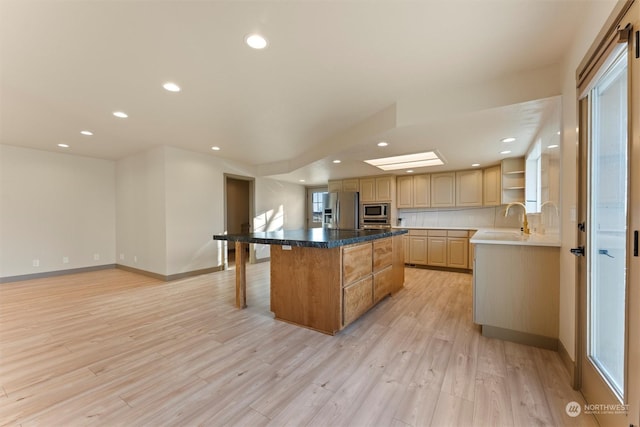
(312, 237)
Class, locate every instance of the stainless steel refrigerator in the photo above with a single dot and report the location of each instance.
(341, 210)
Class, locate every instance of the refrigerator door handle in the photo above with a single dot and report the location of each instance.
(337, 219)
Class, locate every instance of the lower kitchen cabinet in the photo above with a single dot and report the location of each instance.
(438, 248)
(418, 249)
(358, 298)
(458, 252)
(382, 284)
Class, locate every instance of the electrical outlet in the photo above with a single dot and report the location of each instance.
(36, 263)
(121, 257)
(65, 260)
(135, 258)
(96, 257)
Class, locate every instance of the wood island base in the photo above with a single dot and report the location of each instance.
(327, 289)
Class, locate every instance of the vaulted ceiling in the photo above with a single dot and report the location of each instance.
(336, 78)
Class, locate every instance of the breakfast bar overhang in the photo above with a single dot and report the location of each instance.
(324, 279)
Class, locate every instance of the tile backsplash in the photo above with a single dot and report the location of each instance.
(461, 217)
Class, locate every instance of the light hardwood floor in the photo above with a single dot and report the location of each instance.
(115, 348)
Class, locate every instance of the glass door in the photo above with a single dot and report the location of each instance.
(604, 113)
(607, 225)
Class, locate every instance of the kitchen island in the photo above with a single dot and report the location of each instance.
(324, 279)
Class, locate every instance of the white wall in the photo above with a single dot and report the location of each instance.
(195, 210)
(141, 211)
(279, 205)
(171, 203)
(55, 205)
(154, 211)
(598, 12)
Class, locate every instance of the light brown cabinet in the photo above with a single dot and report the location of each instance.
(365, 283)
(404, 192)
(413, 191)
(334, 185)
(325, 289)
(469, 188)
(443, 190)
(458, 252)
(358, 298)
(438, 248)
(377, 189)
(351, 184)
(491, 186)
(422, 191)
(382, 283)
(418, 247)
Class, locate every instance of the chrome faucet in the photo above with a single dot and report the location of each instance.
(525, 222)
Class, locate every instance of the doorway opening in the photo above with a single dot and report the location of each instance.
(238, 212)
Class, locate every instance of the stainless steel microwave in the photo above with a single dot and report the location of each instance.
(376, 211)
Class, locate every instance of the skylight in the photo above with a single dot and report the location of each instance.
(417, 160)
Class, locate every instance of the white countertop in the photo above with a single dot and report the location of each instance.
(512, 236)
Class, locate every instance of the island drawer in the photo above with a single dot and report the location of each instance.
(458, 233)
(437, 233)
(354, 262)
(382, 254)
(382, 284)
(358, 298)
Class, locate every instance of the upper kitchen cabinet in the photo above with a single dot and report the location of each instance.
(513, 180)
(491, 186)
(334, 186)
(377, 189)
(404, 192)
(352, 184)
(413, 191)
(422, 191)
(469, 188)
(443, 190)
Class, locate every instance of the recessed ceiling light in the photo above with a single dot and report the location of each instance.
(416, 160)
(505, 152)
(410, 171)
(558, 132)
(382, 144)
(337, 161)
(256, 41)
(301, 180)
(63, 145)
(215, 148)
(120, 114)
(475, 165)
(86, 132)
(510, 139)
(171, 87)
(552, 146)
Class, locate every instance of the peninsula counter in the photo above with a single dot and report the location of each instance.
(324, 279)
